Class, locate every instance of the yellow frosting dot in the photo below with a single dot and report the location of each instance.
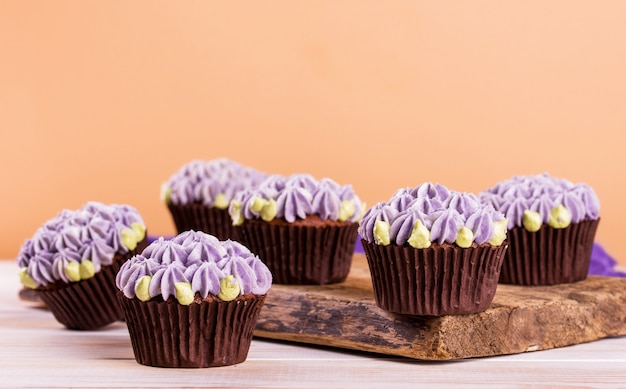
(236, 214)
(381, 233)
(184, 294)
(559, 217)
(464, 237)
(166, 193)
(139, 230)
(129, 239)
(142, 288)
(220, 201)
(229, 289)
(346, 210)
(257, 204)
(268, 213)
(86, 269)
(420, 236)
(72, 270)
(499, 233)
(26, 280)
(531, 221)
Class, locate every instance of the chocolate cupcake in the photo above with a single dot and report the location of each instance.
(199, 193)
(303, 229)
(192, 301)
(552, 225)
(433, 252)
(71, 262)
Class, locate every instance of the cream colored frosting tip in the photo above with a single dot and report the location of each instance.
(420, 236)
(382, 233)
(229, 288)
(465, 237)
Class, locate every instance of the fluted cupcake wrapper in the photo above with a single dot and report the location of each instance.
(549, 256)
(436, 281)
(199, 217)
(302, 254)
(205, 334)
(87, 304)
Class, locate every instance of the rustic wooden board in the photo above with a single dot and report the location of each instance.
(520, 319)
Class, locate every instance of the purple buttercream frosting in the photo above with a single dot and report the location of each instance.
(402, 225)
(202, 181)
(93, 232)
(297, 196)
(442, 211)
(294, 202)
(379, 212)
(446, 225)
(541, 193)
(197, 258)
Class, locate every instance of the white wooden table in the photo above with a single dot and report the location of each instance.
(36, 351)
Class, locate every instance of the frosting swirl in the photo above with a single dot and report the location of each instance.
(193, 262)
(295, 197)
(75, 245)
(212, 183)
(431, 213)
(526, 200)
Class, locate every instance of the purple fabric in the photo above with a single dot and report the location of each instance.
(358, 248)
(602, 264)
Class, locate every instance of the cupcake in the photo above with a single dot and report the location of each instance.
(432, 251)
(71, 262)
(199, 193)
(552, 225)
(192, 301)
(303, 229)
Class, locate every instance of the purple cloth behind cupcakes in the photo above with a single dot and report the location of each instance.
(602, 264)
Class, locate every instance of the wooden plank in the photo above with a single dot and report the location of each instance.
(520, 319)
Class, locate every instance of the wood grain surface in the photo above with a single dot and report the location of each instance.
(519, 319)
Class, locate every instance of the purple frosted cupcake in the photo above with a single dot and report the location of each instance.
(192, 301)
(432, 251)
(552, 225)
(198, 195)
(72, 260)
(305, 230)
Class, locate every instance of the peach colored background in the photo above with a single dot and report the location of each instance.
(105, 100)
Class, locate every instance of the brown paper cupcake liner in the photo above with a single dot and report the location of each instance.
(87, 304)
(304, 252)
(549, 256)
(199, 217)
(202, 334)
(436, 281)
